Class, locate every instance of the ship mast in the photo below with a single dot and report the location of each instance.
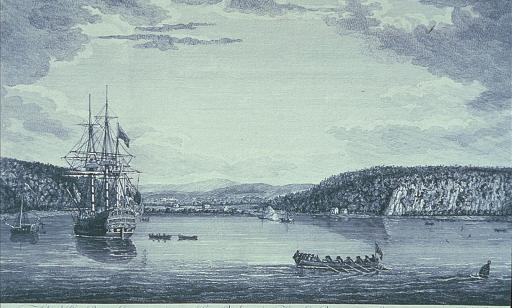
(117, 178)
(90, 141)
(102, 159)
(21, 209)
(105, 158)
(91, 157)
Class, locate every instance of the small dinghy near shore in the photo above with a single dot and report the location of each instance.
(159, 236)
(182, 237)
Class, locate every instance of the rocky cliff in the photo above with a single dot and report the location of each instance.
(409, 191)
(42, 186)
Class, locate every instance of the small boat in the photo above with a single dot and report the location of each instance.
(159, 236)
(23, 225)
(144, 219)
(311, 261)
(368, 265)
(429, 223)
(500, 230)
(182, 237)
(286, 218)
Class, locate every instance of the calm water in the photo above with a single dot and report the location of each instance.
(243, 259)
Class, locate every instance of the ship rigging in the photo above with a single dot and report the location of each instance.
(105, 196)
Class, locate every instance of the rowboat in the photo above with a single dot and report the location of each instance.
(159, 236)
(187, 237)
(311, 261)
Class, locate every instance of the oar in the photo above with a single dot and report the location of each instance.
(362, 267)
(332, 268)
(336, 269)
(353, 268)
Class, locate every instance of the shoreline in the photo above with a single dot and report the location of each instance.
(347, 216)
(44, 214)
(40, 214)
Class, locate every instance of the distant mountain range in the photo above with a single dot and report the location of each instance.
(200, 186)
(231, 193)
(44, 187)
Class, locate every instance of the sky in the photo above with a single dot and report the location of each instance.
(261, 90)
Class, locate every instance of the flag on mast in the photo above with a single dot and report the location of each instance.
(378, 250)
(121, 134)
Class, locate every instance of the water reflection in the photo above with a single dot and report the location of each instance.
(31, 238)
(106, 250)
(375, 228)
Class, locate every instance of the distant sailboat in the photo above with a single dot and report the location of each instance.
(287, 218)
(22, 223)
(269, 213)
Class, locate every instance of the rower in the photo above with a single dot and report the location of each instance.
(328, 259)
(373, 259)
(484, 271)
(339, 259)
(359, 260)
(366, 259)
(349, 260)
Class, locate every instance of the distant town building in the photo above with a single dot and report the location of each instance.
(335, 211)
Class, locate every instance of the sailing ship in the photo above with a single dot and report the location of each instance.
(106, 198)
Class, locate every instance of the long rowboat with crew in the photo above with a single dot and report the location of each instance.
(359, 265)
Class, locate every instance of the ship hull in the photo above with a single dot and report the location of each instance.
(124, 233)
(94, 225)
(121, 223)
(106, 224)
(24, 229)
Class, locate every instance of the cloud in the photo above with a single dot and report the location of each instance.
(166, 42)
(135, 12)
(269, 7)
(34, 33)
(475, 47)
(33, 117)
(407, 144)
(167, 27)
(197, 2)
